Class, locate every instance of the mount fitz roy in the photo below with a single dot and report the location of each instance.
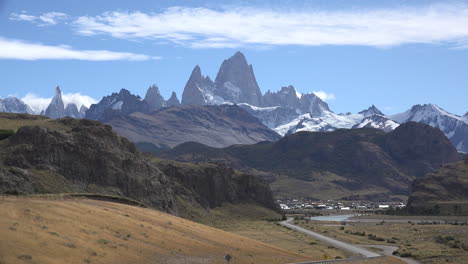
(285, 111)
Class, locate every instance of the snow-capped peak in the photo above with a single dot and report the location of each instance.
(372, 110)
(417, 113)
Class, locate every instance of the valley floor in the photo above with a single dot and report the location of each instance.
(427, 243)
(75, 230)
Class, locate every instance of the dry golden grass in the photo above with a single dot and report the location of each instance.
(10, 122)
(35, 230)
(282, 237)
(419, 240)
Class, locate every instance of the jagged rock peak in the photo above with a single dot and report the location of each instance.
(56, 108)
(72, 111)
(14, 105)
(173, 100)
(196, 88)
(236, 83)
(286, 97)
(154, 98)
(83, 110)
(372, 110)
(114, 105)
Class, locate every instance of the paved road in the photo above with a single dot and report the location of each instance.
(331, 241)
(386, 250)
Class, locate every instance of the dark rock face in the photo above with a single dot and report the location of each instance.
(173, 100)
(286, 97)
(442, 192)
(214, 185)
(196, 88)
(84, 156)
(154, 98)
(56, 108)
(88, 158)
(454, 127)
(217, 126)
(371, 111)
(72, 111)
(420, 147)
(360, 159)
(236, 81)
(117, 104)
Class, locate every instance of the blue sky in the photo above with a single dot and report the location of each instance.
(393, 54)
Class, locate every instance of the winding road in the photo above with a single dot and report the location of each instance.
(361, 250)
(331, 241)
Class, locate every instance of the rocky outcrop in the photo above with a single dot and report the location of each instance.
(442, 192)
(72, 111)
(56, 109)
(197, 88)
(83, 110)
(173, 100)
(287, 97)
(85, 156)
(154, 98)
(14, 105)
(214, 185)
(236, 81)
(117, 104)
(454, 127)
(420, 148)
(344, 162)
(372, 110)
(89, 157)
(217, 126)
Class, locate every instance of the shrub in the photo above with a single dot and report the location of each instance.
(4, 134)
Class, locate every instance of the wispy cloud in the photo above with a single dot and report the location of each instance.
(20, 50)
(324, 95)
(233, 27)
(49, 18)
(38, 103)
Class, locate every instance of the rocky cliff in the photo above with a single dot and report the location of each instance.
(89, 157)
(442, 192)
(117, 104)
(347, 163)
(84, 156)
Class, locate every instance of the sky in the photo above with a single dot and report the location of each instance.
(352, 53)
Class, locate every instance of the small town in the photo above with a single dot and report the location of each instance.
(306, 204)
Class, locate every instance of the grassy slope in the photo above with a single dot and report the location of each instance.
(15, 121)
(89, 231)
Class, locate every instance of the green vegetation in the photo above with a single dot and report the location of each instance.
(4, 134)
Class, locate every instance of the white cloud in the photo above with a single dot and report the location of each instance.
(50, 18)
(20, 50)
(203, 27)
(324, 95)
(38, 103)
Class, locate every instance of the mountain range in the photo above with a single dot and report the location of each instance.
(363, 163)
(85, 156)
(285, 111)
